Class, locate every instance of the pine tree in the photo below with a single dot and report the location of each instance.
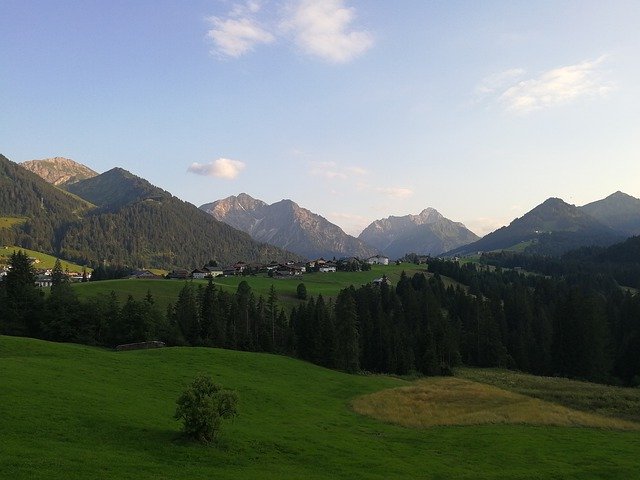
(347, 332)
(23, 299)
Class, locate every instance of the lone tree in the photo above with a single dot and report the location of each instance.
(301, 291)
(203, 405)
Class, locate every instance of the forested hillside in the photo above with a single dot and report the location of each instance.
(121, 219)
(47, 210)
(552, 228)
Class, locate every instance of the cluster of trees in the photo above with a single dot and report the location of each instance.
(62, 316)
(620, 262)
(578, 326)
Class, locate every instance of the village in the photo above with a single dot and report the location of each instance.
(274, 269)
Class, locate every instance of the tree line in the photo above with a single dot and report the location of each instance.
(427, 323)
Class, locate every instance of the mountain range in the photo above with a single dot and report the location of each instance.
(289, 226)
(118, 218)
(554, 227)
(428, 233)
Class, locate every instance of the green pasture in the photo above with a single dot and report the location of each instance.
(327, 284)
(614, 402)
(44, 261)
(8, 222)
(74, 412)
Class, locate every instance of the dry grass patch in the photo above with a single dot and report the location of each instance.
(456, 401)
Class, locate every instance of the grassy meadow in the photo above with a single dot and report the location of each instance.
(76, 412)
(8, 222)
(614, 402)
(44, 261)
(457, 401)
(327, 284)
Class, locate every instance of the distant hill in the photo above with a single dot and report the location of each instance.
(134, 223)
(46, 210)
(116, 188)
(428, 233)
(59, 170)
(287, 225)
(618, 211)
(140, 224)
(551, 228)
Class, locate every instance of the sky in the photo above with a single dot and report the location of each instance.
(354, 109)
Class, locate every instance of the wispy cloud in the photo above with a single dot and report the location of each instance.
(320, 28)
(324, 29)
(558, 86)
(239, 33)
(333, 171)
(499, 81)
(221, 168)
(395, 192)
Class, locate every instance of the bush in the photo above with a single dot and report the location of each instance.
(301, 291)
(202, 406)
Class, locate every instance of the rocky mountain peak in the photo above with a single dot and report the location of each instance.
(59, 170)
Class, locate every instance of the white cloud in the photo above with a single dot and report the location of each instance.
(395, 192)
(221, 168)
(323, 28)
(320, 28)
(555, 87)
(240, 33)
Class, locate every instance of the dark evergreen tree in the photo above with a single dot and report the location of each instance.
(24, 300)
(348, 350)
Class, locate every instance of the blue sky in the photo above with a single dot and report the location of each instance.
(354, 109)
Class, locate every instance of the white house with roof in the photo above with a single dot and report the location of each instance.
(378, 260)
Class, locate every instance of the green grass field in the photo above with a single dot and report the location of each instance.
(327, 284)
(45, 261)
(614, 402)
(74, 412)
(8, 222)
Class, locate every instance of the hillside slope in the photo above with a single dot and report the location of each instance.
(140, 224)
(553, 227)
(47, 210)
(77, 412)
(134, 223)
(618, 211)
(289, 226)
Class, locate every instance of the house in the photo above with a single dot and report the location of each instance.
(316, 263)
(240, 267)
(378, 260)
(381, 280)
(327, 267)
(214, 271)
(288, 270)
(146, 274)
(179, 274)
(44, 280)
(229, 271)
(300, 266)
(199, 274)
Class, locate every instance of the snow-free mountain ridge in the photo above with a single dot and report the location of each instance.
(428, 233)
(289, 226)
